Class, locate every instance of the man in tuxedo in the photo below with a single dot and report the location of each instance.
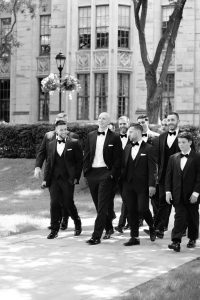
(62, 171)
(149, 137)
(167, 145)
(182, 185)
(101, 166)
(138, 176)
(123, 123)
(42, 156)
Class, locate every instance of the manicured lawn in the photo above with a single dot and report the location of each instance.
(24, 206)
(182, 283)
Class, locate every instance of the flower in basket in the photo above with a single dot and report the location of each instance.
(50, 83)
(70, 83)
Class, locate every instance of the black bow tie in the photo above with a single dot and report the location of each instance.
(172, 133)
(123, 135)
(61, 141)
(184, 155)
(135, 144)
(144, 134)
(100, 132)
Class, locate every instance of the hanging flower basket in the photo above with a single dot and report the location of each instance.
(51, 83)
(70, 83)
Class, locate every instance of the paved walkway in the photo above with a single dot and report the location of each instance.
(35, 268)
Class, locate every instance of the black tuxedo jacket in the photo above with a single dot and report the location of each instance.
(112, 152)
(73, 160)
(43, 149)
(144, 172)
(160, 152)
(183, 183)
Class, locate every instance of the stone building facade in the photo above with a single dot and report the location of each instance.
(100, 42)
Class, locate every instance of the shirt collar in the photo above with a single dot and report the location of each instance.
(186, 152)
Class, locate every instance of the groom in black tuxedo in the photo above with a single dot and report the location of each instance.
(101, 166)
(62, 171)
(182, 185)
(138, 182)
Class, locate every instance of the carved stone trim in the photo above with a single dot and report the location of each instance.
(4, 68)
(43, 65)
(83, 61)
(125, 60)
(101, 60)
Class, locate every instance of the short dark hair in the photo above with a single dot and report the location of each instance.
(143, 117)
(137, 126)
(60, 122)
(174, 113)
(186, 135)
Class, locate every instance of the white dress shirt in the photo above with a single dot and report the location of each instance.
(60, 147)
(98, 161)
(184, 160)
(135, 149)
(124, 141)
(171, 138)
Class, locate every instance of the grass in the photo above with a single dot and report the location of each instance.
(24, 206)
(182, 283)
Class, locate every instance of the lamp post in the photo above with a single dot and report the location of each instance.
(60, 61)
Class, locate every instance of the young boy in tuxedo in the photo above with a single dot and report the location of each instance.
(182, 187)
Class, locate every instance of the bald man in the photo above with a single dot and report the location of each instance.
(101, 167)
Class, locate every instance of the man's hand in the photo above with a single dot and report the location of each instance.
(152, 191)
(168, 197)
(43, 185)
(37, 172)
(193, 199)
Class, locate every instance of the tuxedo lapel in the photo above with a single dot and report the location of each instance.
(106, 142)
(178, 163)
(93, 141)
(127, 151)
(142, 146)
(188, 163)
(53, 146)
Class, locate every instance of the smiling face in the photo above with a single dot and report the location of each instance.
(144, 123)
(103, 121)
(123, 124)
(172, 122)
(61, 131)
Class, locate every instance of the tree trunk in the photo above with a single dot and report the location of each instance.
(152, 104)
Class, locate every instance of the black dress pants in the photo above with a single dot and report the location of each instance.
(101, 187)
(186, 215)
(138, 206)
(164, 210)
(61, 194)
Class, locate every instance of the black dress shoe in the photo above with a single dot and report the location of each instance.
(108, 234)
(77, 231)
(52, 235)
(175, 246)
(119, 229)
(132, 242)
(191, 244)
(152, 234)
(127, 227)
(93, 241)
(159, 234)
(63, 226)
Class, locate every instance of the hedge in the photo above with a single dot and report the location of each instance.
(22, 141)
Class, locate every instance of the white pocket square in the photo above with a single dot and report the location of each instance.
(69, 149)
(110, 145)
(142, 154)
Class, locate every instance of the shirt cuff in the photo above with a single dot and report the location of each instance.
(195, 194)
(168, 192)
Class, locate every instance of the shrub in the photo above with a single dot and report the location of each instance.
(22, 141)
